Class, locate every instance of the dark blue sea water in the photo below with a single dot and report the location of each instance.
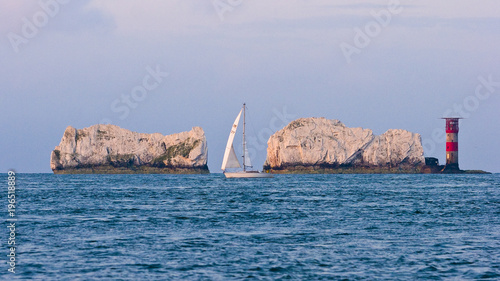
(292, 227)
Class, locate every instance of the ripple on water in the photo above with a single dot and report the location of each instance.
(301, 227)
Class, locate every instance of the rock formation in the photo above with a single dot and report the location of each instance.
(111, 149)
(321, 145)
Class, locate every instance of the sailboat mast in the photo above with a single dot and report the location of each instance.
(244, 122)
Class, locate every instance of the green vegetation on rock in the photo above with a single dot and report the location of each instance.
(103, 135)
(57, 153)
(108, 169)
(182, 149)
(121, 160)
(295, 124)
(80, 134)
(345, 170)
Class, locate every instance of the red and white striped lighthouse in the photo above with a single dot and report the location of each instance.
(451, 143)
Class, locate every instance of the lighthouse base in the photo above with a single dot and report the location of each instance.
(451, 169)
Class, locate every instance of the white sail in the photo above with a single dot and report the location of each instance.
(232, 161)
(247, 163)
(229, 146)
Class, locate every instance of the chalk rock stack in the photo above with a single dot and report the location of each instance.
(319, 143)
(111, 149)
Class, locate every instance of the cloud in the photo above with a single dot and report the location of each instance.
(12, 11)
(148, 17)
(186, 17)
(79, 15)
(62, 16)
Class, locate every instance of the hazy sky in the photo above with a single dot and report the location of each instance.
(166, 66)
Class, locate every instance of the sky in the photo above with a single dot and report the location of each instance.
(166, 66)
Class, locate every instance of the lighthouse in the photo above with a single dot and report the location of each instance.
(451, 144)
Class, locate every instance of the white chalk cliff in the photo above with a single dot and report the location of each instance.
(329, 143)
(111, 147)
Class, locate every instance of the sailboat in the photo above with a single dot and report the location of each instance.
(230, 159)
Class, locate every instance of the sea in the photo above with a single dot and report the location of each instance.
(291, 227)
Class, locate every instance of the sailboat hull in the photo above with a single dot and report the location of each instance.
(230, 159)
(248, 175)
